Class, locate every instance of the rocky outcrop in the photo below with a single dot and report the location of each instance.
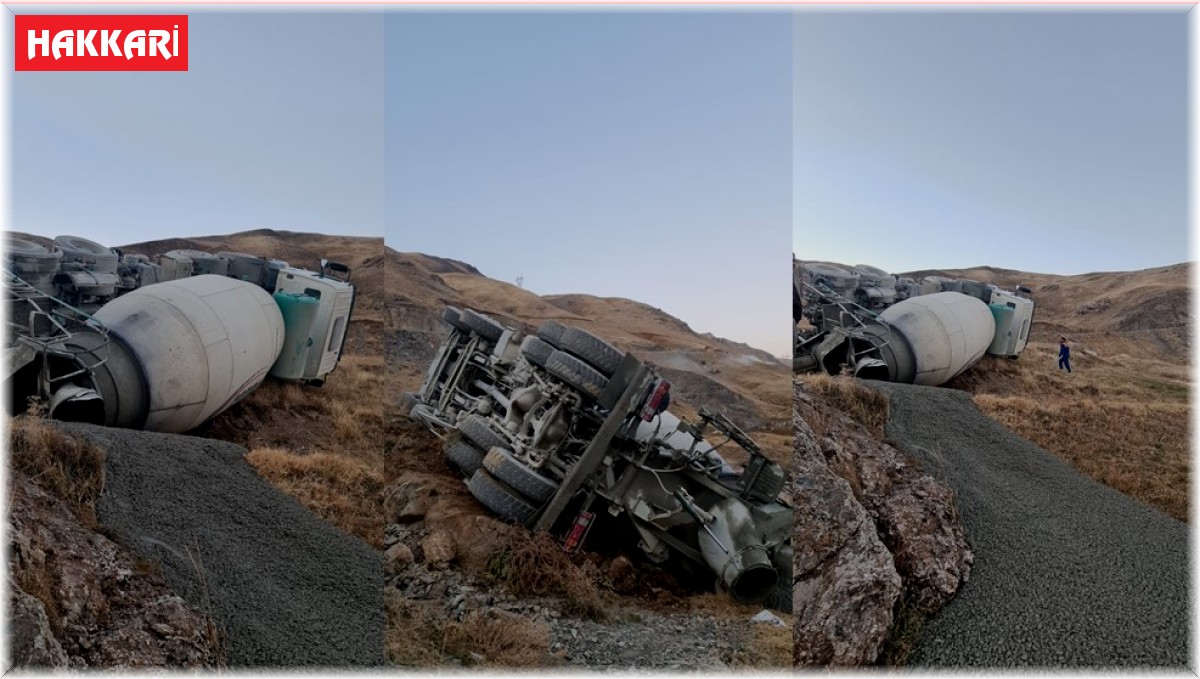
(871, 527)
(844, 582)
(31, 641)
(79, 600)
(917, 517)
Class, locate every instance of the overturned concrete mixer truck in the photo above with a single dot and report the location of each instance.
(558, 430)
(162, 344)
(874, 325)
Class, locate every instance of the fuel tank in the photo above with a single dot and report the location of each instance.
(184, 351)
(946, 331)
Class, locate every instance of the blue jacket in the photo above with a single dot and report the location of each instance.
(1064, 351)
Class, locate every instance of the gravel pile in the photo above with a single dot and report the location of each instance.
(1068, 572)
(287, 588)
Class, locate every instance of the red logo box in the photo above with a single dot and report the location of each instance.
(101, 42)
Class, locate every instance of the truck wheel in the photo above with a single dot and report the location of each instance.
(507, 503)
(476, 430)
(552, 332)
(453, 316)
(465, 456)
(536, 351)
(602, 355)
(482, 325)
(780, 596)
(576, 373)
(504, 466)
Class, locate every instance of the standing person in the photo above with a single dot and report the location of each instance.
(1064, 355)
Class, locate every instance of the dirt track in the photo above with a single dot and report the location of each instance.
(1068, 572)
(287, 588)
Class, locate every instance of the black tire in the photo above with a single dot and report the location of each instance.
(602, 355)
(576, 373)
(504, 466)
(481, 325)
(452, 315)
(476, 430)
(780, 596)
(536, 351)
(465, 456)
(552, 332)
(74, 247)
(505, 502)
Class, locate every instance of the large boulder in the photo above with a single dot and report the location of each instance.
(916, 516)
(844, 583)
(31, 641)
(871, 527)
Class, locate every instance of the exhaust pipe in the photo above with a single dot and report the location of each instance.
(731, 547)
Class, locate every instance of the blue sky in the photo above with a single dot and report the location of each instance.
(257, 134)
(642, 155)
(1044, 141)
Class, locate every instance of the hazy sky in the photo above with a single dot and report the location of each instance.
(639, 154)
(1042, 141)
(256, 134)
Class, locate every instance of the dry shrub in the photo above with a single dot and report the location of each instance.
(534, 564)
(344, 417)
(420, 634)
(860, 403)
(503, 642)
(66, 466)
(412, 635)
(347, 425)
(355, 394)
(345, 491)
(1140, 449)
(766, 646)
(908, 620)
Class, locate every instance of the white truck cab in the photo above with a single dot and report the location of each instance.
(316, 309)
(1014, 315)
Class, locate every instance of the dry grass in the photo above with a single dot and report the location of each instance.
(768, 646)
(323, 446)
(1140, 449)
(908, 620)
(849, 397)
(420, 634)
(345, 491)
(42, 584)
(1120, 420)
(344, 417)
(66, 466)
(534, 564)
